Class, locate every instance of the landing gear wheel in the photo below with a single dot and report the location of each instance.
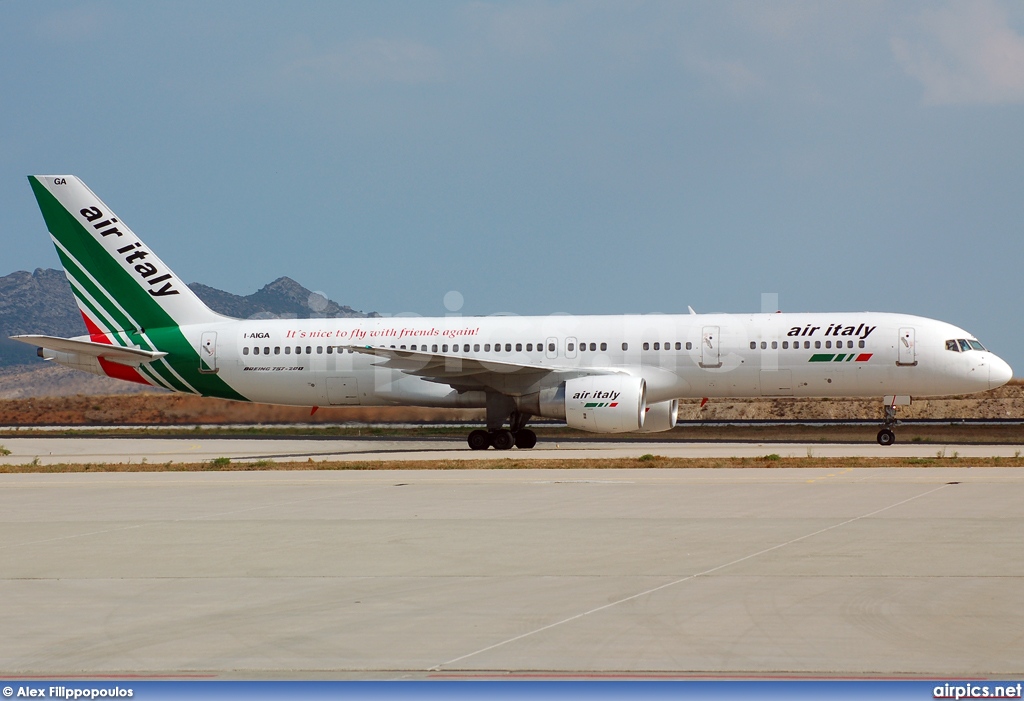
(502, 439)
(886, 437)
(525, 439)
(479, 440)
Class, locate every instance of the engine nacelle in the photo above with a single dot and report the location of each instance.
(661, 416)
(606, 403)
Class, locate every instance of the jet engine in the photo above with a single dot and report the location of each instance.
(599, 403)
(661, 416)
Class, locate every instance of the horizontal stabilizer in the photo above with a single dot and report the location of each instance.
(116, 354)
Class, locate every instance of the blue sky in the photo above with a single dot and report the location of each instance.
(541, 157)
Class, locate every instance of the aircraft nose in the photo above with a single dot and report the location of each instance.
(999, 373)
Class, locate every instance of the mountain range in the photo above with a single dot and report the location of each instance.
(41, 302)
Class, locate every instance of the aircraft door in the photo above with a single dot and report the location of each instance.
(551, 347)
(208, 353)
(709, 348)
(907, 349)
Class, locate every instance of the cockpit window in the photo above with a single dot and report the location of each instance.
(963, 345)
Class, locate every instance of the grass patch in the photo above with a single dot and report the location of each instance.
(659, 462)
(4, 451)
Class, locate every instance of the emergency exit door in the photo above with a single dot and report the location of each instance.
(710, 356)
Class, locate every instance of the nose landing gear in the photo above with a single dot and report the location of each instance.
(886, 435)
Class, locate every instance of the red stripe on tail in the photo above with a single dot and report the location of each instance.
(115, 370)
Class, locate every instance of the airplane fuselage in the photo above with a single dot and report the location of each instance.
(290, 361)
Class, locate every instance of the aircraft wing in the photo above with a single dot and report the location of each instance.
(474, 373)
(116, 354)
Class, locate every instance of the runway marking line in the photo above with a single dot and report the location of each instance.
(578, 616)
(811, 481)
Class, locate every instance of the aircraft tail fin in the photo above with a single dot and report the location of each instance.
(119, 284)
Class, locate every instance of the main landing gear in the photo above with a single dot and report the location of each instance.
(886, 436)
(502, 439)
(500, 408)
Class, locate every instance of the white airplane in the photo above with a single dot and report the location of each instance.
(606, 374)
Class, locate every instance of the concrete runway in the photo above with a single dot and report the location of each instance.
(53, 450)
(395, 574)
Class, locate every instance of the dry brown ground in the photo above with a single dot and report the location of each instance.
(170, 409)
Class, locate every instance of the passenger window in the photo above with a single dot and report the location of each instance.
(309, 350)
(444, 348)
(519, 347)
(657, 346)
(625, 346)
(785, 345)
(529, 347)
(570, 347)
(593, 346)
(476, 347)
(828, 344)
(775, 345)
(753, 345)
(487, 347)
(277, 350)
(604, 346)
(817, 344)
(433, 348)
(551, 348)
(689, 346)
(245, 351)
(508, 347)
(330, 350)
(647, 346)
(764, 345)
(679, 346)
(319, 350)
(861, 344)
